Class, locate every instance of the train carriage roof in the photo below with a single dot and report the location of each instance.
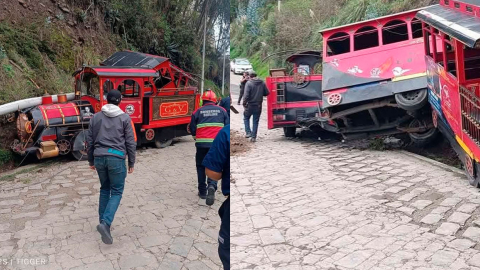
(119, 71)
(347, 27)
(134, 59)
(311, 54)
(463, 27)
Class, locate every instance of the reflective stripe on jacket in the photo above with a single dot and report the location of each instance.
(206, 122)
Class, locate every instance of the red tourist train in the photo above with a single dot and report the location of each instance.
(374, 78)
(452, 52)
(156, 94)
(373, 82)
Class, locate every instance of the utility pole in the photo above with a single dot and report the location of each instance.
(203, 61)
(223, 74)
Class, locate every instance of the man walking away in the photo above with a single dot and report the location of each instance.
(205, 124)
(225, 103)
(217, 166)
(255, 90)
(244, 80)
(110, 138)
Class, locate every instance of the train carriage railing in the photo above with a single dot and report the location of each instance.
(470, 108)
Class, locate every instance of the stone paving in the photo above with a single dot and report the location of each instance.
(300, 204)
(161, 222)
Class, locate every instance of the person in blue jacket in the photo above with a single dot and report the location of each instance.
(225, 103)
(217, 166)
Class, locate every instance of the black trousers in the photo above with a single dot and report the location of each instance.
(202, 177)
(224, 234)
(242, 90)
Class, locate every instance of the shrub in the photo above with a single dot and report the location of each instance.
(5, 156)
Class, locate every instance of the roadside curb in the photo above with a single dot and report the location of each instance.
(434, 162)
(18, 169)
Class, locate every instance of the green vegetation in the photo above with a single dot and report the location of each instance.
(5, 156)
(47, 50)
(259, 28)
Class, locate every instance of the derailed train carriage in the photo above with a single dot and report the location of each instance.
(452, 53)
(156, 94)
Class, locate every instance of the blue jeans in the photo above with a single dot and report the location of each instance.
(202, 177)
(249, 112)
(112, 172)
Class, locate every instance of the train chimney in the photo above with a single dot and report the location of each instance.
(62, 98)
(47, 99)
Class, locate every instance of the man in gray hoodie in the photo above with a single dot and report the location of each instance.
(255, 90)
(110, 138)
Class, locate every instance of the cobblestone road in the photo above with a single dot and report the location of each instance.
(299, 204)
(161, 223)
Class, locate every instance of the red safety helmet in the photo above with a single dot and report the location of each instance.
(209, 95)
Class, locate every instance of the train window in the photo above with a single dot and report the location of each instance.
(129, 88)
(472, 63)
(162, 80)
(416, 28)
(90, 85)
(183, 82)
(469, 8)
(448, 45)
(365, 37)
(449, 56)
(107, 86)
(447, 2)
(78, 86)
(457, 5)
(394, 31)
(338, 43)
(147, 88)
(176, 78)
(428, 44)
(317, 69)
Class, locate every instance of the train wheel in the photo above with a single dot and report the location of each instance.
(421, 139)
(469, 165)
(79, 146)
(412, 100)
(289, 132)
(64, 147)
(162, 143)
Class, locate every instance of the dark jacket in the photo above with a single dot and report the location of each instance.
(206, 122)
(255, 90)
(111, 133)
(225, 103)
(243, 82)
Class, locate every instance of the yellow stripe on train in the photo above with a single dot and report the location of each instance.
(412, 76)
(465, 148)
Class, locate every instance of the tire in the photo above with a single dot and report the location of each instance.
(424, 138)
(163, 143)
(78, 155)
(79, 139)
(412, 100)
(289, 131)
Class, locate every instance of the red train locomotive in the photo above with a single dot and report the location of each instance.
(156, 94)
